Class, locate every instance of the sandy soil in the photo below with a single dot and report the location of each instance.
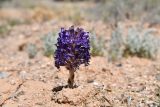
(37, 83)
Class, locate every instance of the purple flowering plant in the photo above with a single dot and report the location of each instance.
(73, 47)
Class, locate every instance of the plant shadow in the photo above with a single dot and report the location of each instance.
(59, 88)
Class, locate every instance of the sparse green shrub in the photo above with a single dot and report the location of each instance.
(4, 30)
(13, 22)
(134, 39)
(49, 42)
(110, 11)
(113, 11)
(97, 45)
(140, 43)
(116, 46)
(3, 1)
(32, 50)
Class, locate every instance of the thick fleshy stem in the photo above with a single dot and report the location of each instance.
(71, 78)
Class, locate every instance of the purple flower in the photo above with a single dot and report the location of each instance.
(72, 48)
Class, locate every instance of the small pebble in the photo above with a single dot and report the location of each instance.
(98, 85)
(23, 75)
(3, 75)
(119, 65)
(12, 82)
(158, 76)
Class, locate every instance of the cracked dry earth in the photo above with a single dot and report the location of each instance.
(37, 83)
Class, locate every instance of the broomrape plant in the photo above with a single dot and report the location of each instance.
(72, 50)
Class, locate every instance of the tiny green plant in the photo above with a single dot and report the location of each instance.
(14, 22)
(49, 42)
(116, 45)
(97, 45)
(32, 50)
(4, 30)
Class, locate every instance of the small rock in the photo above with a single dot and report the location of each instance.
(12, 82)
(104, 69)
(108, 88)
(98, 85)
(158, 76)
(56, 77)
(3, 75)
(90, 80)
(119, 65)
(23, 75)
(138, 89)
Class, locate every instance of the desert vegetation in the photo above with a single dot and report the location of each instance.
(112, 59)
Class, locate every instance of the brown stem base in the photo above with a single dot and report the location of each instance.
(71, 79)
